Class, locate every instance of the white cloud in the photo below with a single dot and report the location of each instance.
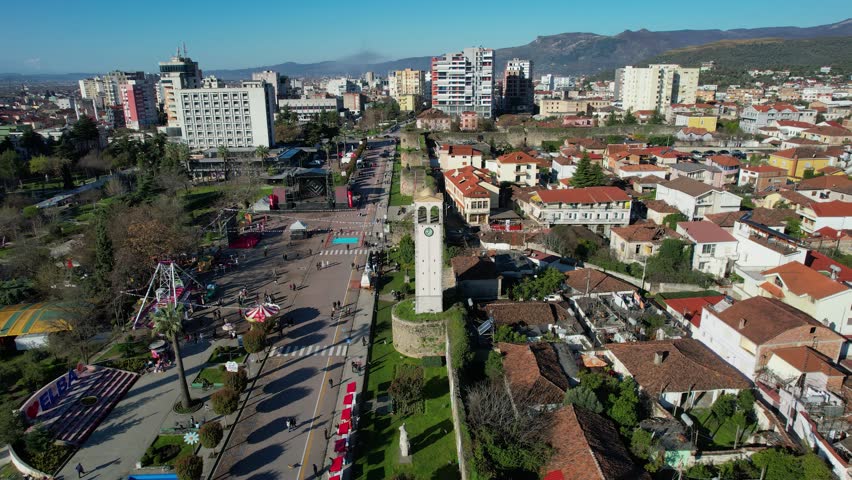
(34, 62)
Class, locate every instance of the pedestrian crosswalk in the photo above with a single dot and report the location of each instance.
(311, 350)
(343, 251)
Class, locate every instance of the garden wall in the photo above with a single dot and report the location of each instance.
(23, 467)
(533, 136)
(455, 405)
(419, 338)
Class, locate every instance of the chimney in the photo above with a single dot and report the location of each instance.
(743, 322)
(659, 357)
(835, 270)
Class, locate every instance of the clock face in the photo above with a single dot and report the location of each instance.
(428, 232)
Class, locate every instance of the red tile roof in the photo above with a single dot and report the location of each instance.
(725, 160)
(802, 152)
(794, 123)
(691, 308)
(596, 281)
(773, 290)
(660, 206)
(826, 182)
(533, 372)
(587, 446)
(761, 319)
(829, 131)
(694, 131)
(687, 366)
(642, 167)
(467, 180)
(705, 232)
(808, 360)
(834, 208)
(464, 150)
(515, 157)
(764, 169)
(645, 232)
(583, 195)
(801, 280)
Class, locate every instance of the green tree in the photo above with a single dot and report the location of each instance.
(404, 253)
(657, 118)
(745, 401)
(779, 465)
(12, 424)
(189, 467)
(814, 467)
(611, 120)
(724, 407)
(597, 177)
(8, 167)
(582, 175)
(584, 397)
(254, 341)
(494, 365)
(168, 321)
(624, 407)
(104, 257)
(261, 151)
(225, 401)
(406, 389)
(506, 334)
(224, 153)
(629, 118)
(210, 434)
(671, 220)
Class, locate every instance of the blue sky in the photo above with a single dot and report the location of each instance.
(55, 36)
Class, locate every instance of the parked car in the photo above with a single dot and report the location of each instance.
(553, 297)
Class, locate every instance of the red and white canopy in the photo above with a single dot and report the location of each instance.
(262, 312)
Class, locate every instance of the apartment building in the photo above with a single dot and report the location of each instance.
(139, 101)
(406, 82)
(518, 86)
(557, 107)
(755, 117)
(655, 87)
(106, 90)
(179, 72)
(452, 157)
(306, 107)
(798, 160)
(518, 168)
(472, 193)
(236, 117)
(714, 251)
(464, 81)
(597, 208)
(762, 177)
(696, 199)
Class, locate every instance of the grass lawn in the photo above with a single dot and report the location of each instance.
(222, 354)
(396, 198)
(429, 433)
(118, 349)
(723, 435)
(214, 375)
(9, 472)
(148, 459)
(392, 281)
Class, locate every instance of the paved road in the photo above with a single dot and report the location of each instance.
(302, 382)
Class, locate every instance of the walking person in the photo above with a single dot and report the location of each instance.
(330, 383)
(316, 471)
(80, 470)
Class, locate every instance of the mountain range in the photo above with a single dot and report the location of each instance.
(567, 53)
(563, 54)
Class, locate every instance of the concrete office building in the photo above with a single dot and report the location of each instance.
(464, 81)
(307, 107)
(236, 117)
(106, 90)
(655, 87)
(180, 72)
(406, 82)
(280, 83)
(518, 86)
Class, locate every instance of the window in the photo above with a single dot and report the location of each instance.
(708, 249)
(813, 330)
(701, 265)
(638, 247)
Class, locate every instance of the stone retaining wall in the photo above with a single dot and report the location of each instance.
(418, 339)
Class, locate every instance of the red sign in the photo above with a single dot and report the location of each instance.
(349, 198)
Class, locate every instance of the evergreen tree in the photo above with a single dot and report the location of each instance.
(657, 118)
(629, 118)
(611, 120)
(103, 257)
(582, 176)
(596, 175)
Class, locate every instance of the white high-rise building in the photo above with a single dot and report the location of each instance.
(464, 81)
(517, 86)
(236, 117)
(655, 87)
(178, 72)
(106, 90)
(279, 82)
(339, 86)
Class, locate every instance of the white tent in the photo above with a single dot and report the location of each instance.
(298, 229)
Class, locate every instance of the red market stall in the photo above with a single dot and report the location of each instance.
(262, 313)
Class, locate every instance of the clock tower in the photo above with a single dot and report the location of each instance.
(429, 254)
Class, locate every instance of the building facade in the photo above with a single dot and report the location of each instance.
(305, 108)
(139, 101)
(464, 81)
(655, 87)
(280, 83)
(518, 86)
(406, 82)
(597, 208)
(472, 193)
(236, 117)
(177, 73)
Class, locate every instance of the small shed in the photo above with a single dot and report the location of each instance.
(298, 230)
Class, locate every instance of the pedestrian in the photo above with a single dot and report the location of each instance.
(284, 256)
(330, 383)
(80, 470)
(292, 423)
(310, 252)
(347, 246)
(353, 366)
(316, 470)
(364, 341)
(287, 422)
(353, 265)
(265, 250)
(325, 434)
(318, 265)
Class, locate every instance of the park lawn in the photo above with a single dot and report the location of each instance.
(392, 281)
(430, 433)
(397, 199)
(9, 472)
(162, 441)
(214, 375)
(115, 350)
(230, 353)
(723, 435)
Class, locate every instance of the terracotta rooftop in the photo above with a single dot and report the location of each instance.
(829, 131)
(795, 198)
(689, 186)
(533, 371)
(473, 268)
(801, 281)
(801, 152)
(587, 446)
(660, 206)
(432, 113)
(467, 180)
(694, 131)
(583, 195)
(771, 217)
(705, 232)
(515, 157)
(765, 318)
(464, 150)
(808, 360)
(764, 169)
(691, 308)
(835, 183)
(687, 365)
(598, 282)
(794, 123)
(645, 232)
(834, 208)
(642, 167)
(725, 160)
(526, 313)
(823, 264)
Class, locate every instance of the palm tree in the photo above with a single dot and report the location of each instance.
(223, 153)
(168, 322)
(262, 151)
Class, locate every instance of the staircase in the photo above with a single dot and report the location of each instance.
(73, 422)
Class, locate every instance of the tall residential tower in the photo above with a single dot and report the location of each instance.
(178, 72)
(655, 87)
(464, 81)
